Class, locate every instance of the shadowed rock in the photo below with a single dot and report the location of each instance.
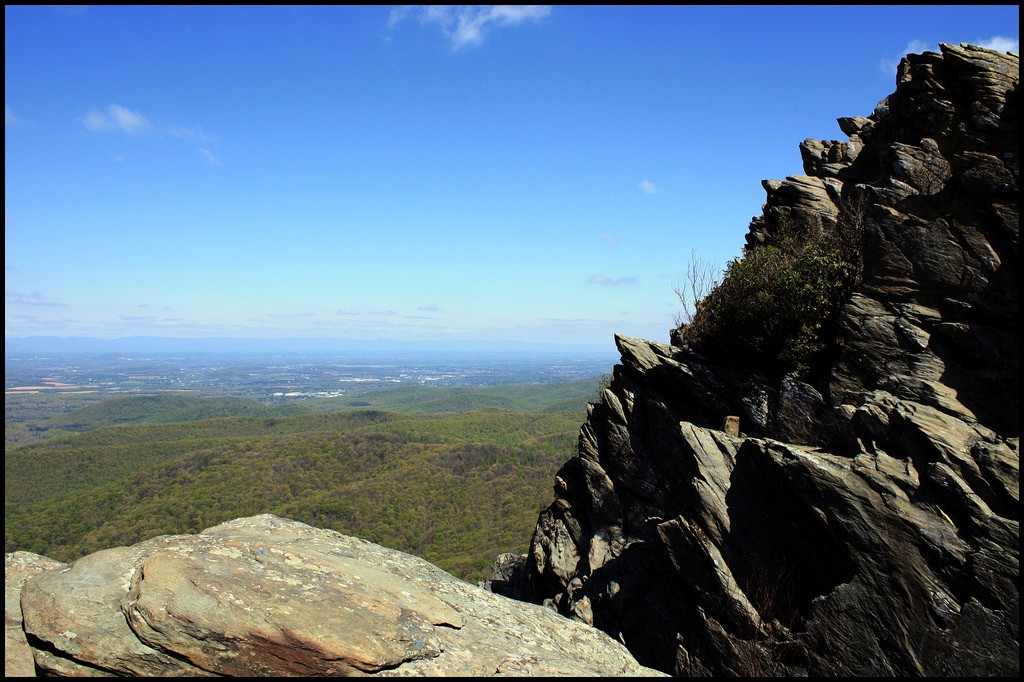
(863, 520)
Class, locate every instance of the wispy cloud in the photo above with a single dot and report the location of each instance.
(429, 308)
(35, 298)
(210, 157)
(648, 186)
(467, 26)
(10, 119)
(374, 313)
(115, 119)
(888, 65)
(605, 280)
(609, 239)
(196, 135)
(191, 133)
(119, 119)
(1001, 43)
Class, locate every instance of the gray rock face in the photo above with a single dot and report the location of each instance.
(266, 596)
(865, 521)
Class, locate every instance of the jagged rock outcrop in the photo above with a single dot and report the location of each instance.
(266, 596)
(865, 520)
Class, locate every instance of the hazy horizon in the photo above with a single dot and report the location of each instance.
(27, 345)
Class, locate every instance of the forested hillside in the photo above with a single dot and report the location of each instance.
(452, 484)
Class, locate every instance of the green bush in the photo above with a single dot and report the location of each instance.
(776, 308)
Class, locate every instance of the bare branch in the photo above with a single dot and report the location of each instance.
(702, 277)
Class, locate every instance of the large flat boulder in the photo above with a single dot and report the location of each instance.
(267, 596)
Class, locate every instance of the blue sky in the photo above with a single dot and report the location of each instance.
(526, 173)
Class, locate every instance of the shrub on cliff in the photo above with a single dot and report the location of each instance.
(775, 309)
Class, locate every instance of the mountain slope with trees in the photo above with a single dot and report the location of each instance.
(456, 487)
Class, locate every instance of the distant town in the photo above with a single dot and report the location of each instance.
(279, 377)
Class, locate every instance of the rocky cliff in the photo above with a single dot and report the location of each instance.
(859, 521)
(265, 596)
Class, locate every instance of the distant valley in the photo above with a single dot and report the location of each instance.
(457, 473)
(281, 375)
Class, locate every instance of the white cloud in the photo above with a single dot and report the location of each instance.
(648, 186)
(120, 119)
(889, 65)
(468, 25)
(609, 239)
(210, 156)
(429, 308)
(194, 133)
(917, 47)
(1001, 43)
(9, 118)
(605, 280)
(116, 118)
(35, 298)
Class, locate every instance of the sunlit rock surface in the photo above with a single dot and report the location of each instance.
(266, 596)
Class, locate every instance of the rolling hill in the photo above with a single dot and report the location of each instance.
(456, 476)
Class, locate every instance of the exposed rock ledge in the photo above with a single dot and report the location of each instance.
(266, 596)
(863, 521)
(713, 554)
